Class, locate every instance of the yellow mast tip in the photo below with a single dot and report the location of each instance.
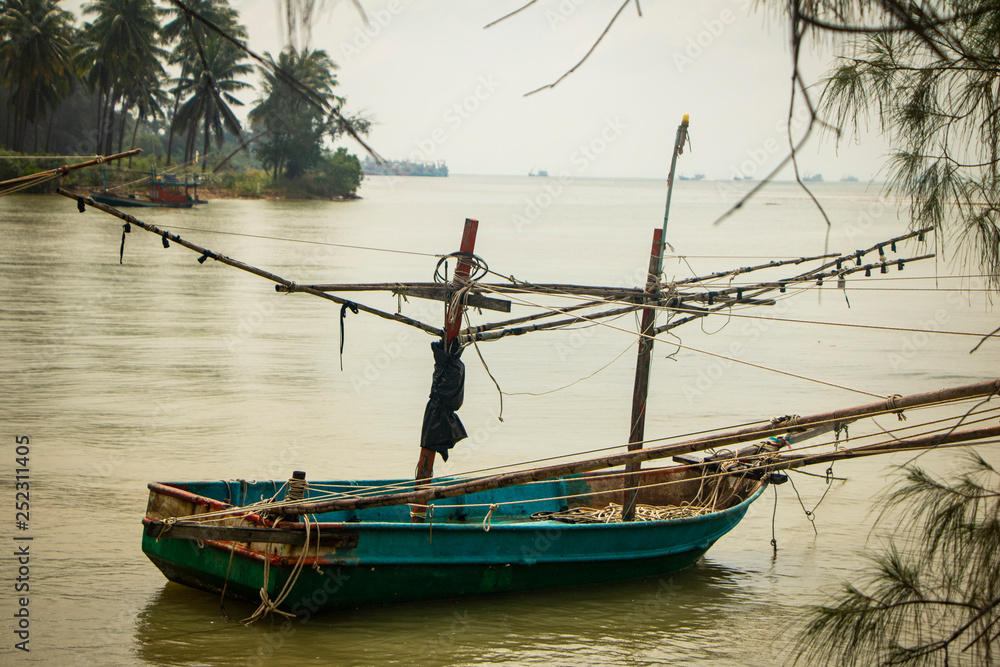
(685, 119)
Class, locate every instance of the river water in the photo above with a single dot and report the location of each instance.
(161, 368)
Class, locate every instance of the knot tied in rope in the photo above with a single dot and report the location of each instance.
(892, 405)
(487, 519)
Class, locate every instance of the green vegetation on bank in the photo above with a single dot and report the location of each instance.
(138, 74)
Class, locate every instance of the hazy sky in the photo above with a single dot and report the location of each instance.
(441, 87)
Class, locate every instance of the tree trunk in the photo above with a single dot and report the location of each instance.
(173, 117)
(207, 144)
(48, 130)
(121, 129)
(100, 121)
(109, 125)
(135, 129)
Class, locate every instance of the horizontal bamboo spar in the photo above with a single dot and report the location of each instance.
(952, 439)
(70, 167)
(502, 288)
(423, 496)
(749, 269)
(235, 263)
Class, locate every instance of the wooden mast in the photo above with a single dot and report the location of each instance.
(453, 312)
(645, 355)
(641, 389)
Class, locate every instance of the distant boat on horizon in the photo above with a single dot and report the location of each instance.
(696, 177)
(540, 172)
(812, 178)
(849, 179)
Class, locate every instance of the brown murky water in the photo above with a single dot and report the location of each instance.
(165, 369)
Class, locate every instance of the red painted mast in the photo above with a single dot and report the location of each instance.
(453, 313)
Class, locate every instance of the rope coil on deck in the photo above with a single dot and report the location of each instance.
(613, 513)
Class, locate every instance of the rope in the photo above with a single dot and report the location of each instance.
(488, 517)
(268, 606)
(613, 513)
(774, 516)
(363, 491)
(892, 405)
(811, 514)
(693, 349)
(288, 240)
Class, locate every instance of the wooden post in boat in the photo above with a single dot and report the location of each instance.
(641, 388)
(642, 364)
(453, 311)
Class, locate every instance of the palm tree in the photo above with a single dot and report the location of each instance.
(295, 124)
(188, 32)
(36, 61)
(124, 54)
(209, 85)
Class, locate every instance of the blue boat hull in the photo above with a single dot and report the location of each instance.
(377, 556)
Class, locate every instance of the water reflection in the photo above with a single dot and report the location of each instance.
(685, 617)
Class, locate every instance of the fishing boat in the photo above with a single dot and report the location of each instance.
(522, 537)
(300, 546)
(165, 191)
(312, 547)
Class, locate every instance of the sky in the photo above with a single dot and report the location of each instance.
(440, 86)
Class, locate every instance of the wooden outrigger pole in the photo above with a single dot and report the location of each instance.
(29, 180)
(645, 355)
(894, 404)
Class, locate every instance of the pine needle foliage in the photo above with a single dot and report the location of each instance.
(933, 597)
(926, 74)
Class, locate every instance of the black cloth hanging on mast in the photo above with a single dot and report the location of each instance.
(442, 428)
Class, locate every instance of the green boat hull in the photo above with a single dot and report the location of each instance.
(373, 557)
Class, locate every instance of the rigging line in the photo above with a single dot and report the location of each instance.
(879, 279)
(780, 372)
(870, 288)
(867, 450)
(288, 240)
(686, 256)
(289, 285)
(473, 473)
(573, 326)
(575, 382)
(444, 481)
(719, 356)
(405, 485)
(475, 346)
(28, 184)
(959, 423)
(46, 157)
(762, 435)
(220, 514)
(939, 427)
(915, 289)
(681, 309)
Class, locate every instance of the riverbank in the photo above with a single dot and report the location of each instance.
(338, 181)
